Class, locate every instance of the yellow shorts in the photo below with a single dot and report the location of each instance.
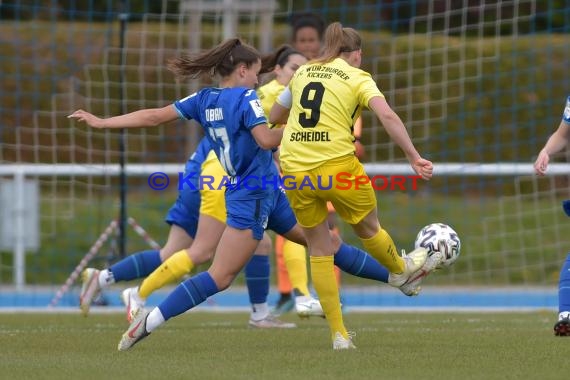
(342, 181)
(213, 202)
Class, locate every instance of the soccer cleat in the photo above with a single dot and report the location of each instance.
(284, 305)
(413, 263)
(342, 343)
(89, 289)
(412, 286)
(270, 322)
(133, 302)
(562, 327)
(135, 333)
(307, 306)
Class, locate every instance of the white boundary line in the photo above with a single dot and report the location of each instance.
(244, 309)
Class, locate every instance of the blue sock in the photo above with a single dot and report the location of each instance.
(359, 263)
(257, 279)
(564, 287)
(136, 266)
(188, 294)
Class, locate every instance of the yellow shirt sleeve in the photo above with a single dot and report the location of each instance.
(268, 94)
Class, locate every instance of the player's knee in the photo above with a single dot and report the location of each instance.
(223, 280)
(336, 240)
(201, 256)
(165, 253)
(264, 246)
(367, 227)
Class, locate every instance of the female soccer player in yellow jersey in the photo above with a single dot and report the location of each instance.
(323, 100)
(306, 38)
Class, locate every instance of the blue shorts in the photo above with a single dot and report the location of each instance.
(271, 212)
(282, 218)
(185, 211)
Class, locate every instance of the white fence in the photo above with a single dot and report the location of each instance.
(20, 172)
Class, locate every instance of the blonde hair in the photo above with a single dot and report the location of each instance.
(338, 40)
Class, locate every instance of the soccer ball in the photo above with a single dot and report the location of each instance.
(439, 237)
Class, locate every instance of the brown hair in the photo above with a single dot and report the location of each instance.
(278, 57)
(221, 59)
(338, 40)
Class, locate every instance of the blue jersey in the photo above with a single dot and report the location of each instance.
(195, 161)
(228, 115)
(185, 211)
(201, 152)
(254, 199)
(566, 115)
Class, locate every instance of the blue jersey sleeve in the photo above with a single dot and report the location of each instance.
(187, 107)
(566, 115)
(253, 111)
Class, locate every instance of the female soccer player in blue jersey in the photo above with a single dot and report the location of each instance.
(556, 143)
(196, 210)
(183, 220)
(236, 128)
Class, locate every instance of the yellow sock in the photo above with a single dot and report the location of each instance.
(173, 269)
(382, 248)
(296, 262)
(324, 281)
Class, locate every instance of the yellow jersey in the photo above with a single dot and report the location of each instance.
(268, 94)
(326, 100)
(213, 201)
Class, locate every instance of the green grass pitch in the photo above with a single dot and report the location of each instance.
(200, 345)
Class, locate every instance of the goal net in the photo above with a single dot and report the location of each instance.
(476, 83)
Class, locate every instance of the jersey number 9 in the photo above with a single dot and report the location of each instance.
(311, 99)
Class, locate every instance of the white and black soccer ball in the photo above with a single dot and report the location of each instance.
(440, 237)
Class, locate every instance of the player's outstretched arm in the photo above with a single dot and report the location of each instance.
(149, 117)
(555, 143)
(397, 131)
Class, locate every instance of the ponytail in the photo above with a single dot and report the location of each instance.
(221, 59)
(338, 40)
